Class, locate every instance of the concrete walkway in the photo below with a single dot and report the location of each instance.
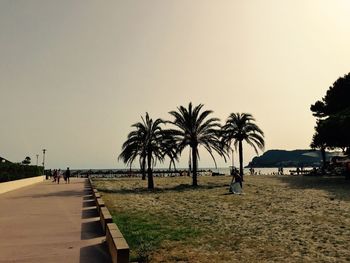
(48, 222)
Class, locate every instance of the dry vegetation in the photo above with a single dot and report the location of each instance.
(278, 219)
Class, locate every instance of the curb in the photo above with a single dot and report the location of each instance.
(117, 246)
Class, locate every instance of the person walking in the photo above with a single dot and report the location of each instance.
(54, 176)
(67, 175)
(50, 174)
(58, 176)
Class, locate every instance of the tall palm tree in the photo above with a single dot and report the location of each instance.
(133, 147)
(195, 129)
(147, 142)
(240, 127)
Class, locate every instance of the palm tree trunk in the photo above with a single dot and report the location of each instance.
(143, 168)
(240, 152)
(323, 153)
(149, 171)
(194, 166)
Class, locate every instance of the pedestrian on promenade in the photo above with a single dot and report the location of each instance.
(67, 175)
(50, 174)
(58, 176)
(64, 176)
(54, 176)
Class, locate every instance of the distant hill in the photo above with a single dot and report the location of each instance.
(295, 158)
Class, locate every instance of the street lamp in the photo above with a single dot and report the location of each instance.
(37, 156)
(44, 150)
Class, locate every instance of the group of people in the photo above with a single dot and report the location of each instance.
(252, 171)
(58, 174)
(280, 171)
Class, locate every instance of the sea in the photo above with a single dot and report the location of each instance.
(262, 171)
(219, 170)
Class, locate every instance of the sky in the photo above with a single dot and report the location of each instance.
(75, 75)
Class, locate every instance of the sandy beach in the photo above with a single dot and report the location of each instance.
(278, 219)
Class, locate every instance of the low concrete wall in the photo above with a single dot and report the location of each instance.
(13, 185)
(99, 204)
(96, 196)
(117, 245)
(105, 218)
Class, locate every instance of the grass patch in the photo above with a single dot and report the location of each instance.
(145, 232)
(279, 218)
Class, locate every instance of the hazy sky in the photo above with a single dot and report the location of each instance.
(74, 75)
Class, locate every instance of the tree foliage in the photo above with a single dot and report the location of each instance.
(333, 116)
(150, 143)
(26, 161)
(194, 129)
(240, 127)
(337, 99)
(16, 171)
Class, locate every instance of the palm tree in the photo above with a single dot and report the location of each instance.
(147, 141)
(240, 127)
(133, 147)
(195, 129)
(169, 148)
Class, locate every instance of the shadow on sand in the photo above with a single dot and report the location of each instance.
(338, 187)
(178, 188)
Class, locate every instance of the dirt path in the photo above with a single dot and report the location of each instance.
(47, 222)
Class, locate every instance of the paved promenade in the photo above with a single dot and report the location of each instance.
(47, 222)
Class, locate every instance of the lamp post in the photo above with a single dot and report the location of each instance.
(44, 150)
(37, 157)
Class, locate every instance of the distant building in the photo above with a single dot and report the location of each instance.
(3, 160)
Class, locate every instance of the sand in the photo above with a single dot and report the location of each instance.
(278, 219)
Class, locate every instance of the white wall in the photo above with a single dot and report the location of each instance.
(13, 185)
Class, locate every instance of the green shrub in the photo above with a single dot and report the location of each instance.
(16, 171)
